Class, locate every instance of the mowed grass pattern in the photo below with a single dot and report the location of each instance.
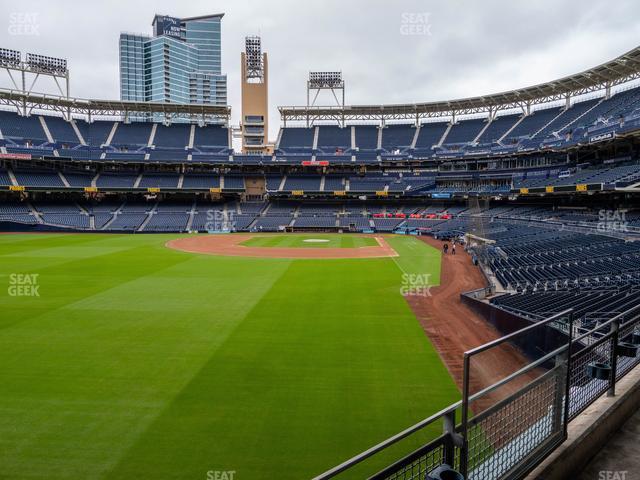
(307, 241)
(137, 361)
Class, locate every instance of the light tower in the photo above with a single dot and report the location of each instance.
(30, 70)
(255, 100)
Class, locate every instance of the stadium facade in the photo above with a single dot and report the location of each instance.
(179, 63)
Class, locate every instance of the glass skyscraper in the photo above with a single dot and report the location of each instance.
(180, 63)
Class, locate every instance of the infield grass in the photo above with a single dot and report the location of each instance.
(137, 361)
(310, 241)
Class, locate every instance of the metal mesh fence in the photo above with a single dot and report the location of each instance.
(584, 387)
(630, 334)
(502, 437)
(417, 465)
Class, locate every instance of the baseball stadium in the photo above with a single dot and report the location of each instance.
(438, 290)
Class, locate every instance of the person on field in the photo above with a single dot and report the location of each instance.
(445, 248)
(453, 248)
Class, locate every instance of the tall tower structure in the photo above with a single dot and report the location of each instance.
(179, 63)
(255, 98)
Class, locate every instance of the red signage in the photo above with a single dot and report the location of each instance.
(311, 163)
(15, 156)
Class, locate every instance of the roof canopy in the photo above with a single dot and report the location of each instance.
(620, 70)
(26, 102)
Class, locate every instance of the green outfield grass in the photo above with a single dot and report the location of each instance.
(137, 361)
(310, 241)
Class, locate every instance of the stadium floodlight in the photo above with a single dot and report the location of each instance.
(325, 80)
(44, 64)
(328, 80)
(33, 68)
(254, 65)
(9, 58)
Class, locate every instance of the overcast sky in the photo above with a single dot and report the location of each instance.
(390, 51)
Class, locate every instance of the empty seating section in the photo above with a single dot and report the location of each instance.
(281, 209)
(604, 175)
(465, 131)
(332, 138)
(334, 183)
(315, 222)
(61, 130)
(132, 134)
(429, 135)
(173, 155)
(538, 259)
(166, 180)
(566, 118)
(297, 139)
(530, 124)
(79, 153)
(234, 182)
(130, 222)
(397, 137)
(252, 208)
(95, 133)
(167, 222)
(524, 258)
(387, 224)
(497, 128)
(366, 156)
(271, 223)
(16, 212)
(200, 181)
(318, 209)
(4, 177)
(547, 271)
(211, 138)
(368, 183)
(620, 103)
(21, 129)
(273, 182)
(302, 182)
(38, 178)
(116, 180)
(366, 137)
(124, 156)
(133, 141)
(176, 136)
(355, 222)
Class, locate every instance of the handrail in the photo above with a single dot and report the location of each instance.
(387, 443)
(506, 338)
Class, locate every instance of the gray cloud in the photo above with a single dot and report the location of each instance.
(473, 47)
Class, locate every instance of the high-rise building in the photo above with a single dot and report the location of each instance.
(179, 63)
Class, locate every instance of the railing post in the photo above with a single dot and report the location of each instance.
(615, 329)
(464, 449)
(450, 440)
(567, 391)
